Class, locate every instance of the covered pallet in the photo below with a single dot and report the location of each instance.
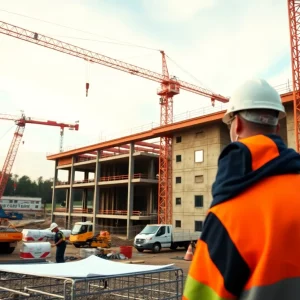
(35, 250)
(36, 235)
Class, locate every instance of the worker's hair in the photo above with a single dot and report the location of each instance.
(260, 120)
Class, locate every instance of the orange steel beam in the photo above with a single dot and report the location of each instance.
(119, 149)
(294, 24)
(153, 133)
(150, 145)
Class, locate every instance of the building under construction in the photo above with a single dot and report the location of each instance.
(122, 175)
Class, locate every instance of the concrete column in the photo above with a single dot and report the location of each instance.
(84, 201)
(130, 194)
(86, 175)
(96, 192)
(54, 191)
(71, 193)
(151, 170)
(150, 200)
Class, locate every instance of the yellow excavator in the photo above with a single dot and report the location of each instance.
(82, 236)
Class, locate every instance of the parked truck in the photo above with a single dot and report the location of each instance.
(157, 236)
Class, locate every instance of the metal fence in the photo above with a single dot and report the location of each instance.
(161, 284)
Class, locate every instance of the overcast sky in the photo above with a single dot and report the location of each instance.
(211, 43)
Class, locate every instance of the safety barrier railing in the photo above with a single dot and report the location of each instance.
(122, 212)
(75, 210)
(84, 181)
(62, 182)
(117, 212)
(123, 177)
(107, 178)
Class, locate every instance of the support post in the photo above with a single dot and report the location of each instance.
(130, 194)
(96, 191)
(71, 194)
(54, 191)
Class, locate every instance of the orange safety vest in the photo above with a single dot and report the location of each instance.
(250, 244)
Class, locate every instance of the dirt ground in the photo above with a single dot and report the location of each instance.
(166, 256)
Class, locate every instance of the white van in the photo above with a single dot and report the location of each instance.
(157, 236)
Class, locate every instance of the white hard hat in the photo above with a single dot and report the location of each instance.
(52, 226)
(254, 94)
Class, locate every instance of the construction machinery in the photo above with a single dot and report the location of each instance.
(10, 215)
(82, 236)
(169, 86)
(14, 146)
(9, 237)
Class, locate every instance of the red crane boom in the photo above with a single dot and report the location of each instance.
(14, 146)
(169, 88)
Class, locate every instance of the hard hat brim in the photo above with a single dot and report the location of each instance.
(228, 115)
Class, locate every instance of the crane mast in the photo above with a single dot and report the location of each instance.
(294, 25)
(10, 158)
(18, 134)
(169, 87)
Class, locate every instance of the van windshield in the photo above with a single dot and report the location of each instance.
(149, 229)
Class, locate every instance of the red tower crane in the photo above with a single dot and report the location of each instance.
(169, 87)
(294, 24)
(14, 146)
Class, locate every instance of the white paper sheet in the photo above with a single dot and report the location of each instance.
(88, 267)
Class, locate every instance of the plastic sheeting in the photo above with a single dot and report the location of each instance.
(88, 267)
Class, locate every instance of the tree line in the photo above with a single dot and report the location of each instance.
(24, 186)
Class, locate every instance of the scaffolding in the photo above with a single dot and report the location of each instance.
(159, 284)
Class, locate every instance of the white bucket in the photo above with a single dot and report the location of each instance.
(35, 250)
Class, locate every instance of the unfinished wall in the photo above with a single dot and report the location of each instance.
(290, 126)
(195, 157)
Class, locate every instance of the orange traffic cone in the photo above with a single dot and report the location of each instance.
(189, 253)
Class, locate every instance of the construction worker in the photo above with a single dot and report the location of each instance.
(59, 242)
(249, 247)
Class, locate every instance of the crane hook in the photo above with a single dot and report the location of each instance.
(87, 86)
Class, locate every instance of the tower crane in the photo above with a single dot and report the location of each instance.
(18, 134)
(169, 87)
(294, 25)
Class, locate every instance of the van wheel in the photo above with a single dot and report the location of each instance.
(140, 250)
(156, 247)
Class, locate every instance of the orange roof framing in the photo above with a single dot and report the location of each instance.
(166, 130)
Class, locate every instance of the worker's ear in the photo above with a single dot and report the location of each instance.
(239, 125)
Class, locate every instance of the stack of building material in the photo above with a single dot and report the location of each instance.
(35, 250)
(36, 243)
(36, 235)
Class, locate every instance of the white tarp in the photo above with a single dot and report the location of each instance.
(88, 267)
